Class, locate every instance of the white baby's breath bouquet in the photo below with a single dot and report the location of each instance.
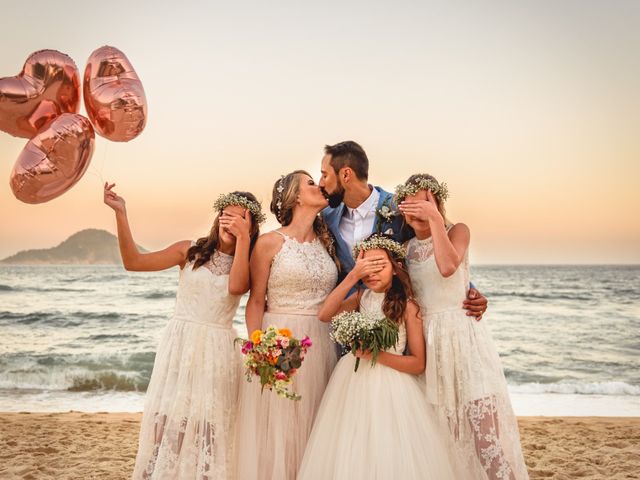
(360, 331)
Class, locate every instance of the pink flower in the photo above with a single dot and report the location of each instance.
(247, 347)
(281, 376)
(284, 342)
(306, 342)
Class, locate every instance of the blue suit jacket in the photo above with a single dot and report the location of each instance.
(332, 217)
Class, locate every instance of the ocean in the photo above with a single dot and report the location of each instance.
(84, 337)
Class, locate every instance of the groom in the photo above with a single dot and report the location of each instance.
(355, 207)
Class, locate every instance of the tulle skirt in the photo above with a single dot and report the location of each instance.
(273, 431)
(187, 429)
(373, 425)
(465, 383)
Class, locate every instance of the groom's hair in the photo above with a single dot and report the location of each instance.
(349, 154)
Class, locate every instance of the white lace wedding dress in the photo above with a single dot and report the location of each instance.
(187, 428)
(372, 424)
(464, 377)
(273, 431)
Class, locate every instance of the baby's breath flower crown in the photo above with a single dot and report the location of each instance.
(439, 190)
(229, 199)
(380, 241)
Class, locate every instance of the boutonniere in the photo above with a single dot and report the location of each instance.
(384, 214)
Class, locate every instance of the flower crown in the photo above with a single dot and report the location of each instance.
(229, 199)
(377, 241)
(439, 190)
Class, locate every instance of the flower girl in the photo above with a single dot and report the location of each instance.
(372, 423)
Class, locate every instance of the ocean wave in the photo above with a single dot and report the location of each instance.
(155, 295)
(589, 388)
(61, 319)
(6, 288)
(77, 373)
(539, 296)
(74, 380)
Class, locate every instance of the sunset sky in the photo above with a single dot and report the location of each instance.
(528, 110)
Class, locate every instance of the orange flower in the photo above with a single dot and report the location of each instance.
(256, 337)
(285, 332)
(273, 360)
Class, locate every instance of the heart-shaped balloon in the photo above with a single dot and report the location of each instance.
(48, 86)
(113, 95)
(54, 160)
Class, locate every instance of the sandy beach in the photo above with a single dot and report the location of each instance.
(79, 445)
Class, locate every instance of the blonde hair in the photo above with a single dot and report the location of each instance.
(284, 198)
(416, 178)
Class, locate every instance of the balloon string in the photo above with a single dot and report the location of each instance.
(98, 173)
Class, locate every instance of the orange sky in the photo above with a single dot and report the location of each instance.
(528, 110)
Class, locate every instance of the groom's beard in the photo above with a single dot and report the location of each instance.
(334, 198)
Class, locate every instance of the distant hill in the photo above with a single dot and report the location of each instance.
(87, 247)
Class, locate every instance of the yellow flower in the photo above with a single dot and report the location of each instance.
(256, 337)
(285, 332)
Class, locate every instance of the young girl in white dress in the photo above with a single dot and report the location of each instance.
(292, 272)
(464, 377)
(372, 423)
(187, 429)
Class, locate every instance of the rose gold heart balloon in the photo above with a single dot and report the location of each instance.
(48, 86)
(113, 95)
(54, 160)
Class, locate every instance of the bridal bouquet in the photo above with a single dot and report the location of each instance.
(274, 356)
(359, 331)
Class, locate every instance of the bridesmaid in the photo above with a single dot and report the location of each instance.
(187, 428)
(464, 377)
(293, 269)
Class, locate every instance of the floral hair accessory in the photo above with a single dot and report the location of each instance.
(383, 242)
(229, 199)
(279, 189)
(439, 190)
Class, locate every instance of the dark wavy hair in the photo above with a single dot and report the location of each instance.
(203, 250)
(401, 291)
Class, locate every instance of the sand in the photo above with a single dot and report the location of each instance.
(103, 445)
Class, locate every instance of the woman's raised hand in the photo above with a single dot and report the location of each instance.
(237, 225)
(112, 199)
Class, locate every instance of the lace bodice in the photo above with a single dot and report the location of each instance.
(371, 303)
(435, 292)
(203, 295)
(302, 276)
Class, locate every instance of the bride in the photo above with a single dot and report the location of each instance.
(293, 269)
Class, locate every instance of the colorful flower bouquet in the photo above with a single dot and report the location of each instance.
(359, 331)
(275, 357)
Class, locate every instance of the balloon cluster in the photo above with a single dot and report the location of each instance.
(42, 104)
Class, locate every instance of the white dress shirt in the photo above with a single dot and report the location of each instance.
(357, 223)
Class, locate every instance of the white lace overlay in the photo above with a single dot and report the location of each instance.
(219, 263)
(464, 376)
(187, 428)
(373, 424)
(273, 431)
(302, 275)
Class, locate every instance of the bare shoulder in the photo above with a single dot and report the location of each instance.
(269, 243)
(412, 312)
(460, 230)
(182, 246)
